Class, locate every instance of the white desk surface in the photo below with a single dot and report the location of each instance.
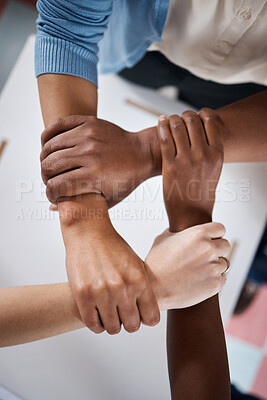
(81, 365)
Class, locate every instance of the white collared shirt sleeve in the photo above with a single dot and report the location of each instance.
(220, 40)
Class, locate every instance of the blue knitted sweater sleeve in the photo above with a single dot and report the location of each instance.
(68, 33)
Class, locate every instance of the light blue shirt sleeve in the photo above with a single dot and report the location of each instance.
(68, 33)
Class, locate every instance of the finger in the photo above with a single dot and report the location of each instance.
(68, 184)
(179, 133)
(224, 265)
(148, 308)
(213, 127)
(222, 246)
(58, 163)
(61, 125)
(219, 266)
(62, 141)
(195, 129)
(215, 230)
(90, 317)
(167, 145)
(110, 318)
(129, 316)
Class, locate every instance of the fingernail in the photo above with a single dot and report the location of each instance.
(162, 118)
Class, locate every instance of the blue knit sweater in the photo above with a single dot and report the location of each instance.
(69, 34)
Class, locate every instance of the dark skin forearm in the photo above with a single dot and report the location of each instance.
(197, 352)
(197, 356)
(244, 133)
(122, 157)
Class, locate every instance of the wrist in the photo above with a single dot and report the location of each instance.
(150, 147)
(158, 288)
(188, 218)
(84, 213)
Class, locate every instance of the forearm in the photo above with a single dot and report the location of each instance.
(197, 356)
(30, 313)
(245, 133)
(84, 215)
(64, 95)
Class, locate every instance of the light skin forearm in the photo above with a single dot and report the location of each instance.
(30, 313)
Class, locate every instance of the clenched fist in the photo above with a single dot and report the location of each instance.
(188, 267)
(192, 159)
(84, 154)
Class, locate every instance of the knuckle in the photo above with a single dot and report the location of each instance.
(200, 158)
(50, 187)
(93, 325)
(90, 126)
(47, 148)
(154, 319)
(44, 135)
(220, 228)
(84, 292)
(209, 250)
(137, 278)
(51, 197)
(60, 187)
(213, 247)
(205, 110)
(189, 116)
(116, 285)
(113, 330)
(199, 233)
(175, 121)
(214, 270)
(80, 291)
(91, 119)
(132, 327)
(164, 139)
(91, 148)
(97, 289)
(47, 167)
(71, 119)
(209, 115)
(57, 121)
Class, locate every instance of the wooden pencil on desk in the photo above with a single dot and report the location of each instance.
(2, 147)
